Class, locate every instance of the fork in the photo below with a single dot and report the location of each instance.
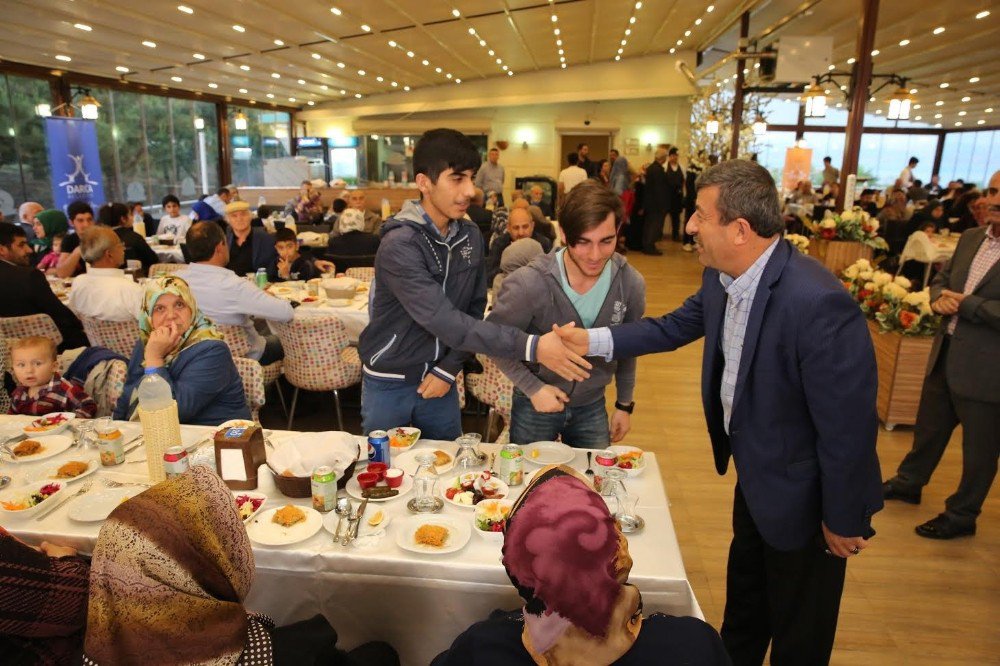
(589, 471)
(111, 483)
(83, 489)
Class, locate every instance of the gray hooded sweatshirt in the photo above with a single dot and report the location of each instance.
(532, 299)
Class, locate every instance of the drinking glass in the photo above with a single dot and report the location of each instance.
(468, 457)
(424, 483)
(85, 433)
(625, 511)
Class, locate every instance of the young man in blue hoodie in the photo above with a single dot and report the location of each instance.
(428, 300)
(585, 282)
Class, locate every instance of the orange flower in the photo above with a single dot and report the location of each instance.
(907, 318)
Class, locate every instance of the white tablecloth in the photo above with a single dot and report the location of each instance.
(168, 254)
(417, 603)
(353, 315)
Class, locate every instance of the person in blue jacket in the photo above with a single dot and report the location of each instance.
(181, 345)
(428, 298)
(788, 387)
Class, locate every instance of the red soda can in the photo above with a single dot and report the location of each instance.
(175, 461)
(604, 459)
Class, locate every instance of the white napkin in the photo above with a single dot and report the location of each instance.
(302, 452)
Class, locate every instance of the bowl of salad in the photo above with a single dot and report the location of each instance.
(49, 424)
(630, 459)
(490, 518)
(28, 500)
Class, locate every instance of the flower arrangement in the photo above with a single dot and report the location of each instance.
(889, 301)
(851, 225)
(799, 242)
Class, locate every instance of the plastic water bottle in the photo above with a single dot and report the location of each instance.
(154, 392)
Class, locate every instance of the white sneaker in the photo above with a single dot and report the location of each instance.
(688, 247)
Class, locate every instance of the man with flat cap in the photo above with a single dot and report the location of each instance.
(249, 248)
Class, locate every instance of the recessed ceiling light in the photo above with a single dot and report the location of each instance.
(316, 56)
(958, 123)
(974, 79)
(966, 98)
(243, 91)
(410, 54)
(366, 27)
(673, 50)
(904, 42)
(361, 72)
(831, 68)
(482, 42)
(563, 65)
(875, 52)
(687, 33)
(392, 43)
(937, 115)
(336, 11)
(851, 61)
(343, 92)
(938, 30)
(878, 112)
(324, 87)
(396, 85)
(239, 28)
(456, 13)
(617, 58)
(631, 20)
(341, 65)
(310, 103)
(679, 42)
(213, 85)
(291, 99)
(710, 9)
(176, 79)
(939, 103)
(302, 82)
(943, 85)
(638, 5)
(279, 42)
(620, 51)
(245, 68)
(913, 91)
(149, 44)
(358, 95)
(918, 118)
(123, 70)
(448, 75)
(556, 32)
(275, 75)
(425, 62)
(82, 26)
(437, 69)
(962, 113)
(198, 56)
(379, 79)
(980, 122)
(697, 21)
(64, 58)
(185, 9)
(510, 73)
(916, 106)
(555, 18)
(983, 14)
(628, 32)
(491, 52)
(989, 109)
(406, 88)
(269, 95)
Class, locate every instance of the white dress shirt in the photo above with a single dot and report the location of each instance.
(107, 294)
(572, 176)
(228, 299)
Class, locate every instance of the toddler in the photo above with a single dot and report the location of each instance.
(40, 388)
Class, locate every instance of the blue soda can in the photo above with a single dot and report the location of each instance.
(378, 446)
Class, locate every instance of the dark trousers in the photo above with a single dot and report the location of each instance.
(687, 238)
(939, 412)
(652, 229)
(790, 599)
(676, 224)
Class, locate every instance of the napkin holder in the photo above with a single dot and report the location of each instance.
(239, 452)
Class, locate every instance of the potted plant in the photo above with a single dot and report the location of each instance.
(843, 239)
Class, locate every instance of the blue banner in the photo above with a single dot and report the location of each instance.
(75, 161)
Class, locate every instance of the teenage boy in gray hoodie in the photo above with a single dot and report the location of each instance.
(428, 299)
(589, 284)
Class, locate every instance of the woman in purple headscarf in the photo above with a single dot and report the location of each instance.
(569, 561)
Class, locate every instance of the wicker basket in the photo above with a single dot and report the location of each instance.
(301, 486)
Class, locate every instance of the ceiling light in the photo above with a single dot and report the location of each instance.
(149, 44)
(628, 31)
(310, 103)
(302, 82)
(448, 75)
(316, 56)
(983, 14)
(406, 88)
(937, 124)
(456, 13)
(341, 65)
(291, 99)
(213, 85)
(938, 30)
(379, 79)
(335, 10)
(687, 33)
(878, 112)
(962, 113)
(943, 85)
(239, 28)
(278, 42)
(617, 58)
(980, 122)
(966, 98)
(697, 21)
(392, 43)
(939, 103)
(554, 18)
(958, 123)
(937, 115)
(123, 70)
(631, 20)
(361, 72)
(510, 73)
(198, 56)
(916, 106)
(851, 61)
(918, 118)
(679, 42)
(410, 54)
(620, 51)
(556, 32)
(638, 5)
(82, 26)
(904, 42)
(491, 52)
(343, 92)
(269, 95)
(974, 79)
(899, 104)
(425, 62)
(563, 65)
(913, 91)
(358, 95)
(185, 9)
(64, 58)
(366, 27)
(710, 8)
(240, 120)
(437, 69)
(875, 52)
(275, 75)
(712, 124)
(245, 68)
(988, 109)
(176, 79)
(89, 107)
(673, 50)
(815, 100)
(243, 91)
(499, 61)
(324, 87)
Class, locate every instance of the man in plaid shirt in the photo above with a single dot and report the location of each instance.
(40, 388)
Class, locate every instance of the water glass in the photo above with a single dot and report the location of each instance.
(85, 433)
(468, 457)
(424, 485)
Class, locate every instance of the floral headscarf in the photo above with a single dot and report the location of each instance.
(54, 222)
(201, 327)
(560, 532)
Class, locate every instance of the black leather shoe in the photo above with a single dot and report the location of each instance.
(890, 492)
(943, 528)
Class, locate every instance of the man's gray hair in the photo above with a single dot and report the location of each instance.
(95, 242)
(746, 190)
(25, 207)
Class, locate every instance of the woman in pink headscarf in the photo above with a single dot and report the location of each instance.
(569, 561)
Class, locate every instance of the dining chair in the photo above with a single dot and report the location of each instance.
(113, 387)
(157, 270)
(366, 273)
(253, 384)
(28, 325)
(318, 357)
(239, 344)
(4, 368)
(118, 336)
(491, 387)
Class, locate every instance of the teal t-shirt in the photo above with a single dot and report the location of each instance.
(587, 305)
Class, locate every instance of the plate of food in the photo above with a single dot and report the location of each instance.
(380, 492)
(434, 535)
(28, 499)
(49, 424)
(630, 459)
(92, 508)
(548, 453)
(312, 301)
(70, 471)
(284, 525)
(40, 448)
(403, 438)
(469, 489)
(444, 459)
(249, 503)
(490, 518)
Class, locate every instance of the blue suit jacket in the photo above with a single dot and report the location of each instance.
(264, 254)
(803, 426)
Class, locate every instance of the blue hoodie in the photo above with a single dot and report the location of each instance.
(428, 300)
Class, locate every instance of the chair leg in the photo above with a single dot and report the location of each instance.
(490, 421)
(291, 413)
(927, 275)
(340, 416)
(281, 396)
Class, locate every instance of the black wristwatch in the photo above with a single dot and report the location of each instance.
(625, 408)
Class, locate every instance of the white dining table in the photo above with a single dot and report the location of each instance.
(168, 254)
(417, 602)
(353, 314)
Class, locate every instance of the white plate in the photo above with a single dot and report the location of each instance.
(330, 522)
(52, 445)
(408, 431)
(503, 494)
(460, 533)
(634, 471)
(406, 459)
(35, 434)
(549, 453)
(49, 473)
(255, 495)
(98, 506)
(14, 494)
(264, 531)
(354, 490)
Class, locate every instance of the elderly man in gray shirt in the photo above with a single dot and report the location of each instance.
(489, 178)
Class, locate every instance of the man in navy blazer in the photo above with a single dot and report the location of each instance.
(250, 248)
(788, 386)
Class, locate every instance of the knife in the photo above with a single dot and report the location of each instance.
(361, 515)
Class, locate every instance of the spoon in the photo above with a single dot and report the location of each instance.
(342, 509)
(589, 471)
(4, 481)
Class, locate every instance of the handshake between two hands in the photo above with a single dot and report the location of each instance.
(562, 351)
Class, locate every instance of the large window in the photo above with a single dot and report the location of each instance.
(971, 156)
(24, 162)
(883, 157)
(261, 153)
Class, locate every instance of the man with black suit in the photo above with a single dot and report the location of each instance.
(656, 201)
(675, 193)
(797, 417)
(27, 292)
(963, 381)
